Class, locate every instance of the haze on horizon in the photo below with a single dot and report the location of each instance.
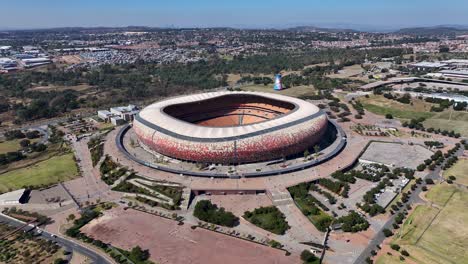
(357, 14)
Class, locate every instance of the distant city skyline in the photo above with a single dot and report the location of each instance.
(356, 14)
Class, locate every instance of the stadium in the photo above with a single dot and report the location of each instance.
(230, 127)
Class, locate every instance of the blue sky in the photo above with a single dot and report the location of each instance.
(237, 13)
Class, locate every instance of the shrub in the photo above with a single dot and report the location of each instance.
(405, 253)
(389, 116)
(307, 256)
(25, 143)
(208, 212)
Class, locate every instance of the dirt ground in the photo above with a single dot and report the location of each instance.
(70, 59)
(360, 238)
(238, 204)
(170, 243)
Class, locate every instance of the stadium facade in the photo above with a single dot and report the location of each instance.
(230, 127)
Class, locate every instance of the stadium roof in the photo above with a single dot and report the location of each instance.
(154, 114)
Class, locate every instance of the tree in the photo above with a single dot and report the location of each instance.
(395, 247)
(25, 143)
(206, 211)
(307, 256)
(421, 167)
(71, 217)
(387, 232)
(389, 116)
(138, 254)
(32, 134)
(317, 150)
(60, 261)
(405, 253)
(429, 181)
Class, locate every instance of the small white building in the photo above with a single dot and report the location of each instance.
(427, 66)
(117, 120)
(28, 63)
(8, 64)
(12, 198)
(127, 113)
(104, 115)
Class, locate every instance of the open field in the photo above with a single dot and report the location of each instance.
(349, 71)
(433, 235)
(452, 120)
(293, 91)
(459, 170)
(79, 88)
(440, 194)
(386, 259)
(35, 157)
(169, 242)
(378, 104)
(457, 121)
(12, 145)
(53, 170)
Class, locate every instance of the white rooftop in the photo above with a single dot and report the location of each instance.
(6, 60)
(11, 197)
(429, 64)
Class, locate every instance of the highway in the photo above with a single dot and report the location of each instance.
(70, 245)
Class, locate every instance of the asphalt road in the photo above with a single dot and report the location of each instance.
(67, 244)
(414, 198)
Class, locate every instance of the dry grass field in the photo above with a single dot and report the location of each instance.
(347, 72)
(378, 104)
(457, 121)
(436, 234)
(79, 88)
(459, 170)
(296, 91)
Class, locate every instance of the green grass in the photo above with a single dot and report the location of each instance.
(268, 218)
(53, 170)
(433, 235)
(459, 170)
(315, 219)
(396, 113)
(386, 259)
(12, 145)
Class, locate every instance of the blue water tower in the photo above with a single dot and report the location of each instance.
(278, 86)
